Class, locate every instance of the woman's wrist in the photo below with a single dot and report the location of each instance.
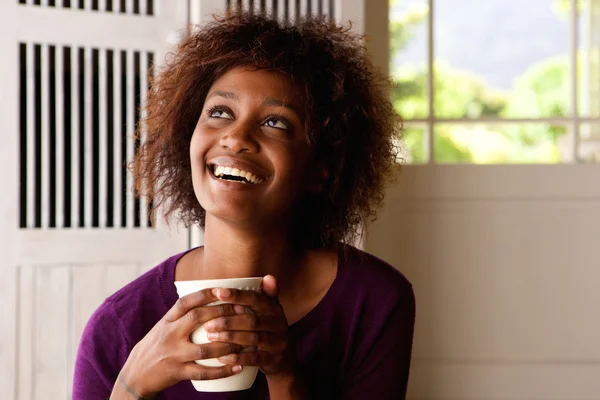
(125, 389)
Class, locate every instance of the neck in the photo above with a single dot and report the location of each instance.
(231, 252)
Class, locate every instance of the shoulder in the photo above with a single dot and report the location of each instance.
(371, 277)
(136, 307)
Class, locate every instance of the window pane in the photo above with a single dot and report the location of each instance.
(413, 145)
(501, 143)
(500, 58)
(588, 57)
(408, 45)
(589, 146)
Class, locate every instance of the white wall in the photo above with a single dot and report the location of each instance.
(505, 263)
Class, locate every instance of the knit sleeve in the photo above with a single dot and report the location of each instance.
(384, 372)
(103, 350)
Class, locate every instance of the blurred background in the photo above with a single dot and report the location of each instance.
(495, 218)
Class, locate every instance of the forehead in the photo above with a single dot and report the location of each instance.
(259, 84)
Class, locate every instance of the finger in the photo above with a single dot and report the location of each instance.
(198, 316)
(193, 352)
(247, 322)
(195, 372)
(186, 303)
(252, 358)
(257, 301)
(270, 286)
(264, 340)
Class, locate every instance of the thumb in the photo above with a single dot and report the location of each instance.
(269, 286)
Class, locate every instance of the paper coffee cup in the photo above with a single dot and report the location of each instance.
(244, 379)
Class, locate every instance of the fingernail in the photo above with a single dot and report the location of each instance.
(237, 369)
(224, 293)
(239, 309)
(209, 326)
(225, 359)
(212, 335)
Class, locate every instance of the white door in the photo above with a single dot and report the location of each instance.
(71, 78)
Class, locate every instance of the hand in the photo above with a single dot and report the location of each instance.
(263, 326)
(166, 355)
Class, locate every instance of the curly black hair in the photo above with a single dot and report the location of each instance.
(351, 121)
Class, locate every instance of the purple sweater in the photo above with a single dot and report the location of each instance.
(355, 344)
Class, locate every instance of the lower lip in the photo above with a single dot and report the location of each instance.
(231, 185)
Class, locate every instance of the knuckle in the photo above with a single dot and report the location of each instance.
(202, 353)
(233, 348)
(181, 303)
(223, 323)
(202, 374)
(195, 315)
(255, 338)
(252, 321)
(223, 309)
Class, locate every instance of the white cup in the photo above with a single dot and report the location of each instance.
(244, 379)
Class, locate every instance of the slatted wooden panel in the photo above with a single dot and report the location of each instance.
(55, 303)
(132, 7)
(78, 112)
(288, 11)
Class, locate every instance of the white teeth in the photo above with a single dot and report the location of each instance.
(219, 171)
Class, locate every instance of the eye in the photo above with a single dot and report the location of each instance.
(220, 112)
(278, 123)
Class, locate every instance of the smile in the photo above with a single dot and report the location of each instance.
(235, 175)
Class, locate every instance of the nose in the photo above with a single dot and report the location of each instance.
(240, 138)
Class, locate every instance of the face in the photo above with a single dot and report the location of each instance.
(249, 153)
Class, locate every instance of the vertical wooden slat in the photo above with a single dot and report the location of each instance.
(25, 339)
(87, 5)
(30, 135)
(60, 157)
(257, 7)
(88, 165)
(117, 134)
(88, 291)
(51, 347)
(144, 66)
(315, 8)
(143, 8)
(130, 133)
(102, 182)
(304, 6)
(75, 167)
(45, 138)
(129, 7)
(281, 4)
(292, 12)
(328, 9)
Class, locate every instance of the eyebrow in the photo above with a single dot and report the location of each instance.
(220, 93)
(279, 103)
(268, 102)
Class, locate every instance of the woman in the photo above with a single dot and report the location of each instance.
(278, 141)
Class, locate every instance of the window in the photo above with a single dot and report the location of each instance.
(495, 82)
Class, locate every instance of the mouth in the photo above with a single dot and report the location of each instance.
(233, 174)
